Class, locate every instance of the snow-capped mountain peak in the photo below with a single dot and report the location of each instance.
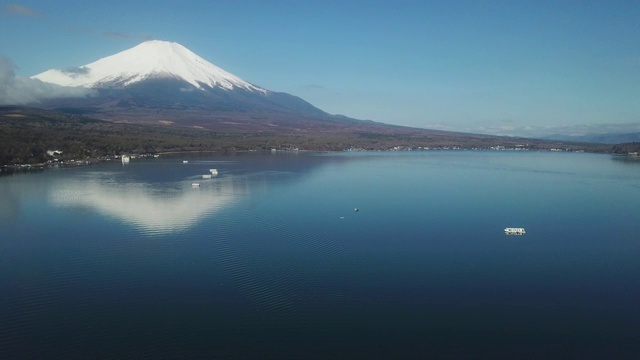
(148, 60)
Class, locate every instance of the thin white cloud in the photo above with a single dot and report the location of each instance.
(20, 10)
(314, 87)
(15, 90)
(533, 131)
(116, 35)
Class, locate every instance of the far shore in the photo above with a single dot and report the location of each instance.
(12, 168)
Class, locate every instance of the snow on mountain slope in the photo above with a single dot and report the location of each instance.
(148, 60)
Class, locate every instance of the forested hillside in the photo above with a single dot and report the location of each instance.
(626, 148)
(26, 134)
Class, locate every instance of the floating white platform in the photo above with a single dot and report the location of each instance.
(514, 231)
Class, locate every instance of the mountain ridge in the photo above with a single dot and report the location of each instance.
(27, 133)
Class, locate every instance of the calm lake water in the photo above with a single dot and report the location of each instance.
(269, 259)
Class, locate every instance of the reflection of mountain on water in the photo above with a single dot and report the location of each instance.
(152, 208)
(155, 194)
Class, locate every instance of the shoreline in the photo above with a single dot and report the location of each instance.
(17, 168)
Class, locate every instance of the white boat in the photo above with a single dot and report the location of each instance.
(514, 231)
(126, 159)
(195, 185)
(206, 176)
(185, 161)
(213, 171)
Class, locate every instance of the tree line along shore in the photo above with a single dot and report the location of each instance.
(39, 137)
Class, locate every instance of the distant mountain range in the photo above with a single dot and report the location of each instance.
(605, 138)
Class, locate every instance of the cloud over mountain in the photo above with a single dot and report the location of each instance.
(15, 90)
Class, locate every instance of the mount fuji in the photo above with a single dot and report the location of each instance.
(161, 81)
(150, 60)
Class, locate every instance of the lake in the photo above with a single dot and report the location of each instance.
(270, 259)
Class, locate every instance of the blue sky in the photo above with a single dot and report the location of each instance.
(482, 66)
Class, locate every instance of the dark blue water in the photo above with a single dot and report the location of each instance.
(269, 259)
